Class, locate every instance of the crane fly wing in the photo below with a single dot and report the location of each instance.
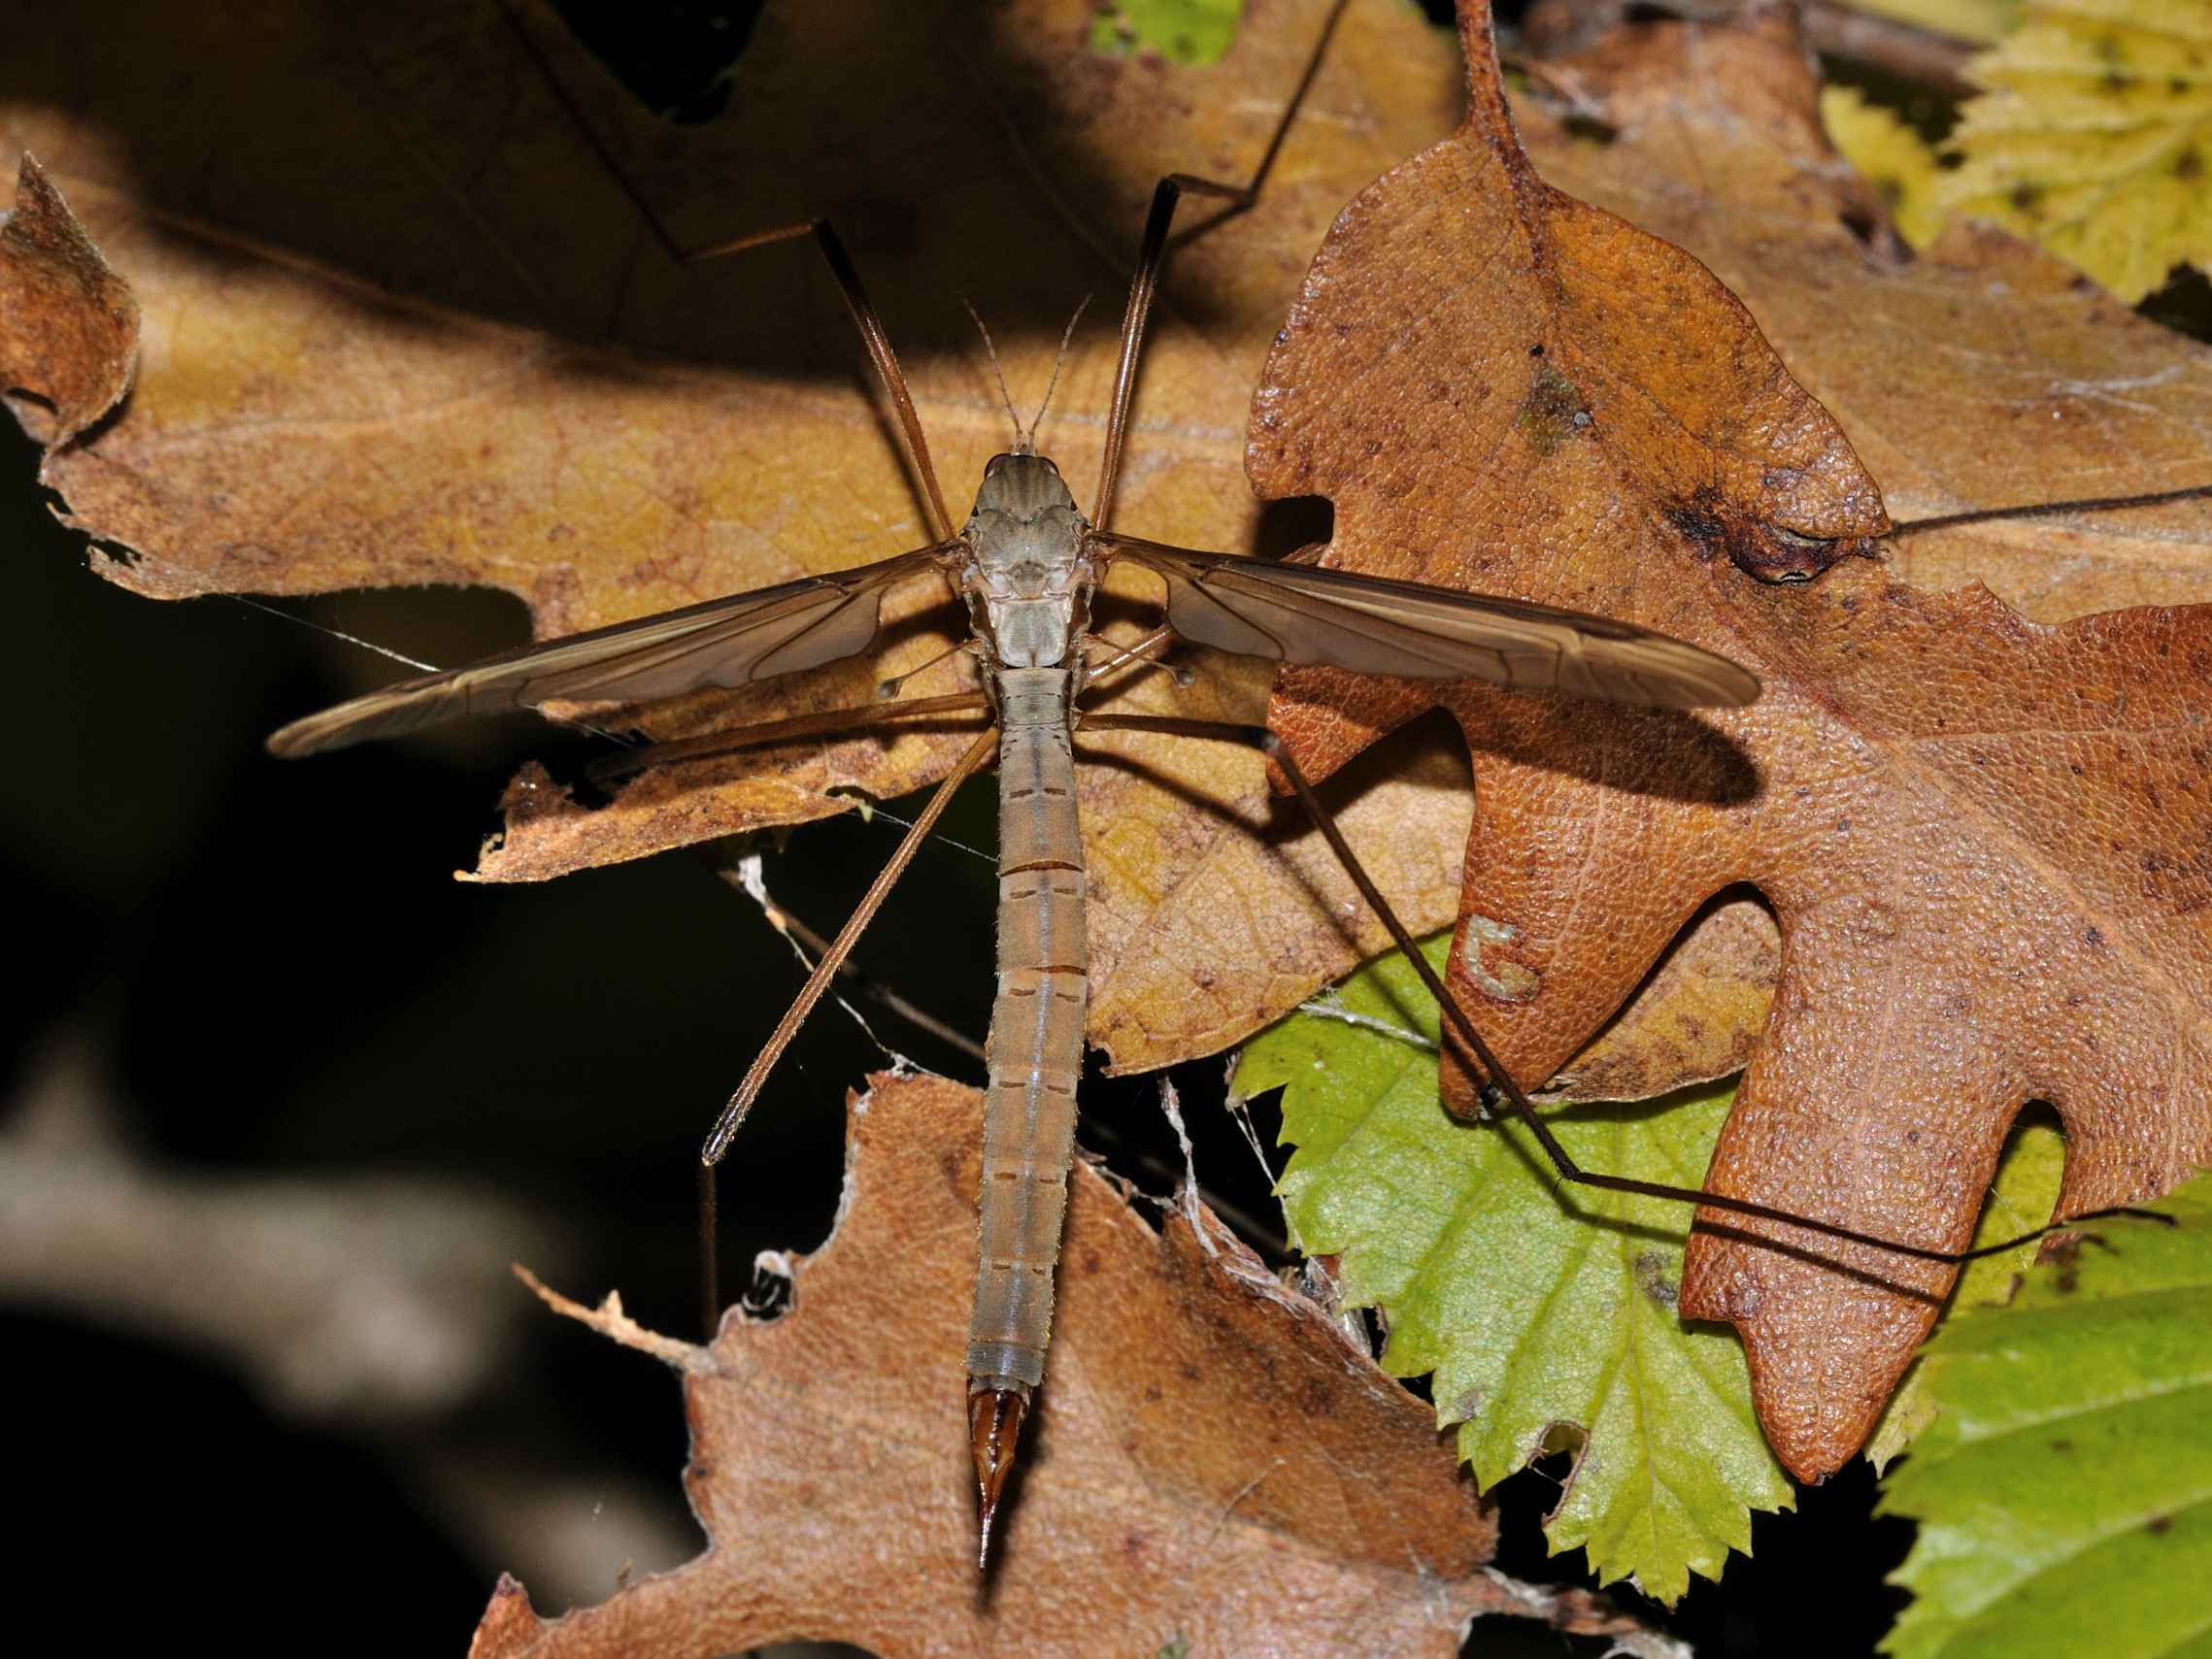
(1302, 613)
(722, 642)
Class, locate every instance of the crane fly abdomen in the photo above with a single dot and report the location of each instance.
(1034, 1049)
(1036, 1055)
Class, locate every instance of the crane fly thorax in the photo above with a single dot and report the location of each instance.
(1027, 580)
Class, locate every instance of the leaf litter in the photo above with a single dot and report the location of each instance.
(2136, 426)
(1215, 1463)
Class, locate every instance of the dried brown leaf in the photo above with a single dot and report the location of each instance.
(1984, 838)
(1982, 373)
(1213, 1463)
(68, 324)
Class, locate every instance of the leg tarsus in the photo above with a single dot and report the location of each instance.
(879, 343)
(826, 969)
(1152, 256)
(710, 1255)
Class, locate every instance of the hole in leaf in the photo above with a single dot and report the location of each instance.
(1297, 522)
(675, 59)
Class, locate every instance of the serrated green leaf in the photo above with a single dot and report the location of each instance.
(2064, 1493)
(2095, 137)
(2020, 1200)
(1532, 1308)
(1182, 31)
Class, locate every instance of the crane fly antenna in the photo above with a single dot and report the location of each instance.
(1026, 438)
(1022, 445)
(1059, 358)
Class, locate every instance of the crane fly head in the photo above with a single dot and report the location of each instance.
(1024, 486)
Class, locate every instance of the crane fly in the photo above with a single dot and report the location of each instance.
(1026, 564)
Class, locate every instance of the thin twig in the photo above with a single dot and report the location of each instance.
(1923, 56)
(780, 918)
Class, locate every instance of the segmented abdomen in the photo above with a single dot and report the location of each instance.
(1035, 1048)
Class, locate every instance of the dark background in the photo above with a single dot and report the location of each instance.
(247, 980)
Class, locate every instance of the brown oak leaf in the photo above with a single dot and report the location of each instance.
(68, 324)
(1212, 1463)
(1986, 840)
(1982, 373)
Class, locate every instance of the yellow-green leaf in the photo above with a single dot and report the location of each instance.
(2095, 137)
(1977, 20)
(2020, 1200)
(1182, 31)
(1890, 157)
(2064, 1493)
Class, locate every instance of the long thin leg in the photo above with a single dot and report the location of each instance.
(1136, 654)
(817, 981)
(1152, 254)
(879, 341)
(841, 266)
(2051, 509)
(1501, 1085)
(766, 732)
